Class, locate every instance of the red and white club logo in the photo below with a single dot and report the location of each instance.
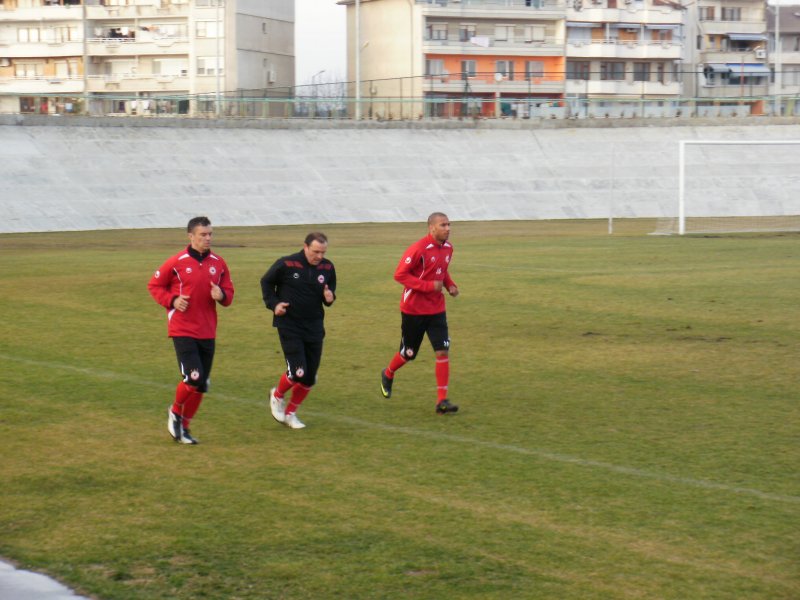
(408, 260)
(194, 375)
(213, 270)
(188, 270)
(300, 372)
(321, 278)
(409, 352)
(433, 259)
(158, 274)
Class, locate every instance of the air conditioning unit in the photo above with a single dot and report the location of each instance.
(5, 62)
(761, 53)
(271, 76)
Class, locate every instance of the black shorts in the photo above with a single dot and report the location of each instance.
(195, 358)
(303, 356)
(414, 328)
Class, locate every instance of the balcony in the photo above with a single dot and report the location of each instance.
(509, 9)
(731, 56)
(41, 49)
(132, 47)
(631, 50)
(41, 85)
(43, 13)
(725, 27)
(133, 83)
(135, 11)
(488, 46)
(629, 89)
(732, 91)
(660, 14)
(483, 83)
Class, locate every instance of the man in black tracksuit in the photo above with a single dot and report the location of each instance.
(294, 290)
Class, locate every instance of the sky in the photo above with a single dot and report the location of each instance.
(320, 41)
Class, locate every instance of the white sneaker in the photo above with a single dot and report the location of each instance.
(277, 406)
(292, 421)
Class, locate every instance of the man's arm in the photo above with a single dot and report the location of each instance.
(160, 284)
(329, 293)
(269, 285)
(404, 273)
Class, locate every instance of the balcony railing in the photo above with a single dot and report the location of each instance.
(492, 4)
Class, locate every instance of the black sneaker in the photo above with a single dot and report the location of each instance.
(445, 407)
(174, 425)
(186, 438)
(386, 385)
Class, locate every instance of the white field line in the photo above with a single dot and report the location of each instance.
(438, 436)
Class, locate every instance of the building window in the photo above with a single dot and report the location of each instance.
(207, 65)
(205, 3)
(28, 70)
(641, 71)
(534, 69)
(612, 71)
(28, 34)
(706, 13)
(578, 69)
(466, 32)
(434, 67)
(731, 14)
(437, 31)
(468, 69)
(504, 33)
(207, 29)
(534, 33)
(505, 68)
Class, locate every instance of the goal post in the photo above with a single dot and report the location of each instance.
(755, 186)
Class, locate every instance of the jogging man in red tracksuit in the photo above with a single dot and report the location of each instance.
(190, 285)
(423, 274)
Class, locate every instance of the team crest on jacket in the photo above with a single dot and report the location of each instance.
(188, 270)
(433, 259)
(300, 372)
(321, 278)
(408, 260)
(296, 275)
(158, 274)
(213, 270)
(194, 375)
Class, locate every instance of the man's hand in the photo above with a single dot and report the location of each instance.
(181, 303)
(280, 308)
(438, 285)
(328, 294)
(453, 291)
(216, 292)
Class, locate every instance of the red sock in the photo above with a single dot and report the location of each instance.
(397, 362)
(190, 407)
(182, 394)
(442, 376)
(284, 385)
(299, 393)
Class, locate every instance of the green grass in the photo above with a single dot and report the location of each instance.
(629, 423)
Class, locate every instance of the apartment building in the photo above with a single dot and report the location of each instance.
(466, 57)
(783, 31)
(624, 49)
(728, 53)
(66, 56)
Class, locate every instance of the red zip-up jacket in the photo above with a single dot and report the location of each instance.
(423, 263)
(190, 273)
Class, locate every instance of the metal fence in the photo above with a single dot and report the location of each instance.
(397, 108)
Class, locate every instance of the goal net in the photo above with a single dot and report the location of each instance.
(735, 186)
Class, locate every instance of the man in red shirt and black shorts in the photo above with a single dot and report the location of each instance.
(190, 285)
(423, 274)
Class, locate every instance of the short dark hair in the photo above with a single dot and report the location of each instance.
(316, 236)
(197, 221)
(436, 215)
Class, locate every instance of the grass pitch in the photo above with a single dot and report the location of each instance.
(628, 427)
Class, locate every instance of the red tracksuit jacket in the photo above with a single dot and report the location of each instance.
(423, 263)
(189, 273)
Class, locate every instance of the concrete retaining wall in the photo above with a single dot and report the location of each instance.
(91, 175)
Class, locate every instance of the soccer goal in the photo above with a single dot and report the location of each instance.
(735, 186)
